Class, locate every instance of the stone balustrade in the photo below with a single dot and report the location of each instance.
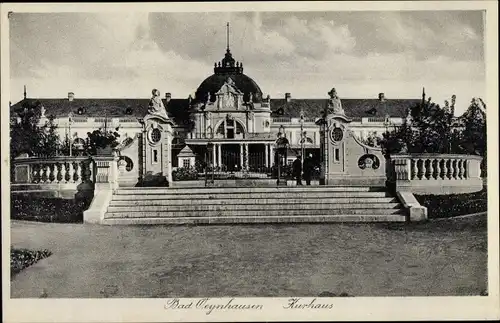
(52, 170)
(436, 173)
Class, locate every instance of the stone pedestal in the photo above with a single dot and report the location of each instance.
(105, 178)
(157, 151)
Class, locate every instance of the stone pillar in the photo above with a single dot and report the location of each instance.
(219, 155)
(241, 156)
(266, 148)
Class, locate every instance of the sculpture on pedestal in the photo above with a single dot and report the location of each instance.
(334, 104)
(156, 106)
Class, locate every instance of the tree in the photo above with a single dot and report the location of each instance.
(473, 123)
(29, 135)
(429, 130)
(101, 139)
(473, 135)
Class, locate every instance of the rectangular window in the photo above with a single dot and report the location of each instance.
(230, 133)
(155, 156)
(185, 163)
(337, 154)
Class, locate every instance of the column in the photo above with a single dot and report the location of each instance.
(271, 155)
(219, 155)
(266, 154)
(213, 154)
(246, 155)
(241, 156)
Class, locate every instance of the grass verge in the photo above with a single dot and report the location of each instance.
(446, 206)
(23, 258)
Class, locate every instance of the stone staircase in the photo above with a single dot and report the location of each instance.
(253, 205)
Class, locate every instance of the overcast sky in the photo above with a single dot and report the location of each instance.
(304, 53)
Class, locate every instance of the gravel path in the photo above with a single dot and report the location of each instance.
(90, 261)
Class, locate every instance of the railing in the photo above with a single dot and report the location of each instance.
(201, 135)
(376, 119)
(293, 120)
(52, 170)
(282, 120)
(436, 173)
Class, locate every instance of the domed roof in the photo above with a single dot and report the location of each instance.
(228, 68)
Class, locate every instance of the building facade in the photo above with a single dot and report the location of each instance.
(229, 123)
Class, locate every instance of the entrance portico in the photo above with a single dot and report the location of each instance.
(239, 154)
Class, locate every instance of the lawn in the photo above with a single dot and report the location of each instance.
(446, 257)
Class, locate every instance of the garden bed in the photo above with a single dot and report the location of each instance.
(47, 209)
(446, 206)
(23, 258)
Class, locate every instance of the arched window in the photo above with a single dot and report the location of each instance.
(230, 129)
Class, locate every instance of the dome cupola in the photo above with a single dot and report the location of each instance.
(228, 67)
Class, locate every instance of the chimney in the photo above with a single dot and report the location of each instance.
(288, 97)
(71, 96)
(168, 96)
(381, 96)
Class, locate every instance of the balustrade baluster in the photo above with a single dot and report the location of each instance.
(448, 169)
(34, 173)
(414, 173)
(78, 172)
(55, 173)
(466, 168)
(421, 169)
(455, 169)
(47, 172)
(438, 169)
(71, 172)
(63, 172)
(43, 173)
(445, 169)
(430, 169)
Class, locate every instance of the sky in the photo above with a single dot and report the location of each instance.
(125, 55)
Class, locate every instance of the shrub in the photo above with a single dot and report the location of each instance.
(444, 206)
(185, 174)
(23, 258)
(101, 139)
(47, 209)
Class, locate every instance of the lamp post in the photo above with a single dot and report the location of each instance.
(281, 148)
(70, 119)
(302, 137)
(208, 159)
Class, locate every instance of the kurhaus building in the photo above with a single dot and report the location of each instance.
(229, 112)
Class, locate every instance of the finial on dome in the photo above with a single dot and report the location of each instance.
(228, 36)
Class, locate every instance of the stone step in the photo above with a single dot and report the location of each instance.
(247, 207)
(339, 218)
(200, 190)
(248, 195)
(250, 213)
(252, 201)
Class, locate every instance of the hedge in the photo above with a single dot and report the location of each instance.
(47, 209)
(23, 258)
(445, 206)
(185, 174)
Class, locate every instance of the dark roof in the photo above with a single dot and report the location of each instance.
(355, 108)
(313, 108)
(100, 107)
(213, 83)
